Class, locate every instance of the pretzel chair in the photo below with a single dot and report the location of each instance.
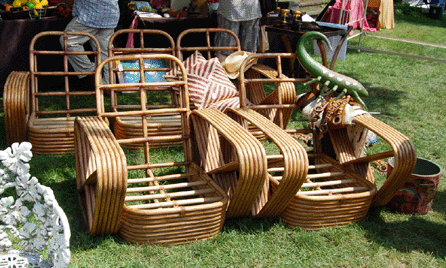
(255, 94)
(339, 188)
(143, 198)
(141, 42)
(44, 115)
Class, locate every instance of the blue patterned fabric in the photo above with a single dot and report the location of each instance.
(151, 76)
(97, 13)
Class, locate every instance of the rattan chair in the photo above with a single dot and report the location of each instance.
(43, 114)
(140, 42)
(339, 188)
(160, 201)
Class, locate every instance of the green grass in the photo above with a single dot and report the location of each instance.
(409, 94)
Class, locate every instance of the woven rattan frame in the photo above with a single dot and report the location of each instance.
(163, 209)
(332, 196)
(234, 158)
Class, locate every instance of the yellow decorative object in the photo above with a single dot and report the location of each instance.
(17, 3)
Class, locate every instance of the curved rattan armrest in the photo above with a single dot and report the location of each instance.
(16, 106)
(403, 152)
(101, 175)
(402, 149)
(278, 104)
(287, 91)
(244, 154)
(293, 158)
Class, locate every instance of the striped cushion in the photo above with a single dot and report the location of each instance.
(208, 82)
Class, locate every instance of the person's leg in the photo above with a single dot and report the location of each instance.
(103, 36)
(80, 63)
(224, 39)
(249, 35)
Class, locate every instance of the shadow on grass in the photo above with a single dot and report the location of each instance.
(415, 233)
(439, 203)
(415, 15)
(250, 225)
(384, 100)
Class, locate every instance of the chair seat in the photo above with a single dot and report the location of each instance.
(158, 125)
(51, 135)
(332, 196)
(173, 209)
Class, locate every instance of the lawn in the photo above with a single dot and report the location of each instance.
(406, 93)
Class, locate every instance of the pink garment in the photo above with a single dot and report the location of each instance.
(134, 25)
(353, 11)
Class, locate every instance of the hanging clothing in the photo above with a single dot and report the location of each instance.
(353, 12)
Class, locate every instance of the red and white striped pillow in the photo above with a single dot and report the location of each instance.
(208, 82)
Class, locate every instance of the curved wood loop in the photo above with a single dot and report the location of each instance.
(16, 96)
(101, 175)
(403, 152)
(240, 152)
(292, 159)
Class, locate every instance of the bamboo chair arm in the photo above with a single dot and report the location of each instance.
(242, 151)
(16, 97)
(251, 86)
(101, 175)
(403, 152)
(293, 156)
(287, 90)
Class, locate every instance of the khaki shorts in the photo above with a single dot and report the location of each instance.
(247, 32)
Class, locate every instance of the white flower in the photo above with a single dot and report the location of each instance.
(26, 235)
(39, 212)
(12, 214)
(61, 255)
(5, 243)
(6, 204)
(16, 157)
